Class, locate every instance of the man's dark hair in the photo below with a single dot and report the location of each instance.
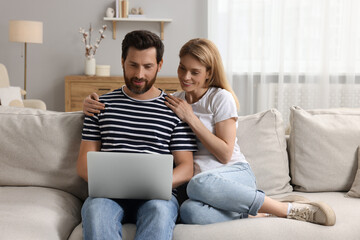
(141, 40)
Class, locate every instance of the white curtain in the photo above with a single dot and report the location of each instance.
(279, 53)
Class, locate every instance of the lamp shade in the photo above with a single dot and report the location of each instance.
(26, 31)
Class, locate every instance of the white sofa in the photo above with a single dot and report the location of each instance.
(41, 195)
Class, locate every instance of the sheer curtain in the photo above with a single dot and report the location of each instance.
(279, 53)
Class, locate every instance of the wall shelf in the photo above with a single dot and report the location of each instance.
(159, 20)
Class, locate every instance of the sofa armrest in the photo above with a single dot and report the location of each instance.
(34, 103)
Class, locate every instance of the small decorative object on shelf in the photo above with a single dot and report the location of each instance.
(134, 11)
(103, 70)
(90, 50)
(110, 12)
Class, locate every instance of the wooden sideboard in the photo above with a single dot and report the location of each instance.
(77, 87)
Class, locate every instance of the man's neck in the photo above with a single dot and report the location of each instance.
(153, 92)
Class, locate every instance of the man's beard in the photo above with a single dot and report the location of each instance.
(138, 89)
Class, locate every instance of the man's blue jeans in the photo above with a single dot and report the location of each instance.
(155, 219)
(222, 194)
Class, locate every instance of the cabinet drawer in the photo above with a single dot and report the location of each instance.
(78, 87)
(84, 89)
(79, 91)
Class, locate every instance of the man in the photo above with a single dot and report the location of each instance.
(136, 119)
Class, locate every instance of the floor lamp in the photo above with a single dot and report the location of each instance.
(25, 32)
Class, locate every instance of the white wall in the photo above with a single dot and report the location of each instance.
(62, 52)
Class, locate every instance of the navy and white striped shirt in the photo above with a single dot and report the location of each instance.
(141, 126)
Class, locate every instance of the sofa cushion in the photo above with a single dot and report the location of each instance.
(40, 148)
(322, 148)
(355, 188)
(37, 213)
(262, 140)
(347, 212)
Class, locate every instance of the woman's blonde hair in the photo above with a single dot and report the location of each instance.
(207, 53)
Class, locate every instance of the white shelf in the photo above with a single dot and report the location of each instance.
(159, 20)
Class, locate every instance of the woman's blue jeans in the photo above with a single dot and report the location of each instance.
(222, 194)
(155, 219)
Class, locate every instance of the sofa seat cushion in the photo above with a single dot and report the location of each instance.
(37, 213)
(347, 224)
(347, 212)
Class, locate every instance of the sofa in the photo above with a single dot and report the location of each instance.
(41, 195)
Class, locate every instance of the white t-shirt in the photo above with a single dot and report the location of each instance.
(215, 106)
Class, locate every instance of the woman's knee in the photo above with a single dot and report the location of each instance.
(201, 187)
(190, 212)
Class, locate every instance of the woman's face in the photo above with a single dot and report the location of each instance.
(192, 74)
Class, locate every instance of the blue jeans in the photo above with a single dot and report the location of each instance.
(222, 194)
(102, 218)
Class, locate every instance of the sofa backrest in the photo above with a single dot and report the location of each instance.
(40, 148)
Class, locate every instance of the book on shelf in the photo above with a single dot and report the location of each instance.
(125, 8)
(120, 8)
(117, 8)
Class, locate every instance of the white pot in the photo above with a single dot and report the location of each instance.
(90, 66)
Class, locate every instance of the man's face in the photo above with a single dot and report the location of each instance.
(140, 69)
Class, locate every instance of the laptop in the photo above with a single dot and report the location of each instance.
(130, 175)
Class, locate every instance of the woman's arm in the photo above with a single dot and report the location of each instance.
(92, 105)
(221, 144)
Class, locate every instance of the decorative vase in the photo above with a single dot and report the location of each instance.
(110, 12)
(90, 66)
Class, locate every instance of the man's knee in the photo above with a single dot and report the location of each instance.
(94, 208)
(160, 209)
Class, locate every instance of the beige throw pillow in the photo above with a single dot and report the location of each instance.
(322, 148)
(355, 188)
(262, 140)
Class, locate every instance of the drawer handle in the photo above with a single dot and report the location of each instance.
(170, 90)
(104, 89)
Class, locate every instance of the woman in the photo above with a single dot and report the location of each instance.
(223, 187)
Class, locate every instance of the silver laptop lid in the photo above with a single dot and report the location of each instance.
(130, 175)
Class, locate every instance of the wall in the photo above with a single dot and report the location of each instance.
(62, 52)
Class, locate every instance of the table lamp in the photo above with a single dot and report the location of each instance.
(25, 32)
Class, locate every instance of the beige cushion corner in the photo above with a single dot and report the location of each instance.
(37, 213)
(262, 140)
(355, 188)
(322, 148)
(40, 148)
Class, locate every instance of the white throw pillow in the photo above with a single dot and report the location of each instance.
(10, 96)
(322, 148)
(355, 188)
(261, 137)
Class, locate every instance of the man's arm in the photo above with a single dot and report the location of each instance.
(85, 147)
(184, 167)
